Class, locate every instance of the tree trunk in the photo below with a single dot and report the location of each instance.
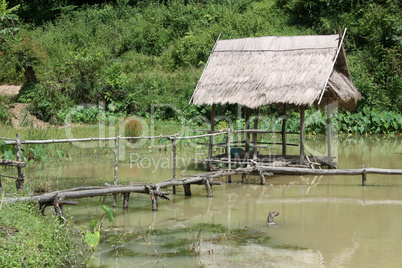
(30, 74)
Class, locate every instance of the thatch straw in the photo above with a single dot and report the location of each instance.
(265, 70)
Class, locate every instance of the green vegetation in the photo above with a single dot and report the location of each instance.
(81, 60)
(36, 240)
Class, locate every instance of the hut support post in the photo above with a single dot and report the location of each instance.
(211, 138)
(255, 134)
(21, 177)
(302, 135)
(247, 137)
(329, 134)
(229, 155)
(284, 131)
(247, 126)
(174, 161)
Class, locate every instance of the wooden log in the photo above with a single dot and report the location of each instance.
(12, 163)
(19, 183)
(344, 172)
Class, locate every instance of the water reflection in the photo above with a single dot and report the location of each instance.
(324, 221)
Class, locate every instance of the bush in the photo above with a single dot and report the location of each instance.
(44, 100)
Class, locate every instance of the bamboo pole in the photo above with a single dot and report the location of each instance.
(301, 135)
(229, 155)
(21, 177)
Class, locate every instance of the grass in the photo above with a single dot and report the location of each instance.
(28, 239)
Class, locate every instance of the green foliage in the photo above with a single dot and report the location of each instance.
(132, 56)
(44, 100)
(5, 118)
(7, 151)
(36, 240)
(7, 20)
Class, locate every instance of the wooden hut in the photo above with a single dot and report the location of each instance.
(293, 71)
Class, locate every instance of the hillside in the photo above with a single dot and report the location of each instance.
(133, 55)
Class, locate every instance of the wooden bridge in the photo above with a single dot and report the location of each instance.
(253, 166)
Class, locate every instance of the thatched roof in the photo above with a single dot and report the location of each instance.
(265, 70)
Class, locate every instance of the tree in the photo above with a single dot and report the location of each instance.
(7, 19)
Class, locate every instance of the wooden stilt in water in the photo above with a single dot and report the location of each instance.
(21, 177)
(154, 199)
(302, 135)
(174, 161)
(243, 178)
(284, 131)
(187, 189)
(211, 138)
(58, 209)
(229, 155)
(364, 176)
(126, 199)
(208, 188)
(263, 180)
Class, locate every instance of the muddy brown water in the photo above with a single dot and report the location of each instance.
(329, 221)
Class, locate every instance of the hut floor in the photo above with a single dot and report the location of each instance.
(271, 160)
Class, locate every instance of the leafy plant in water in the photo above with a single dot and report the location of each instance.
(91, 237)
(38, 153)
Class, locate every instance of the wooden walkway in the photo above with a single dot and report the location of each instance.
(259, 165)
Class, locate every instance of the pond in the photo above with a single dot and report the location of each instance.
(324, 221)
